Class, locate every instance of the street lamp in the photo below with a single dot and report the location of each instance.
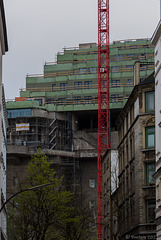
(25, 190)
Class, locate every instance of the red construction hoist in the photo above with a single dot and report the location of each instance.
(103, 98)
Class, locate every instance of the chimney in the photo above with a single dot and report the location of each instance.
(136, 73)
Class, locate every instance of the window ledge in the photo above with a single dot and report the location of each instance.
(148, 149)
(151, 111)
(149, 186)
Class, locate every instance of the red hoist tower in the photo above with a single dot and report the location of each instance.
(103, 98)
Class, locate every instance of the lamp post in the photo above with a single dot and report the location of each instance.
(25, 190)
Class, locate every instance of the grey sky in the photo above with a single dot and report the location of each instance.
(38, 29)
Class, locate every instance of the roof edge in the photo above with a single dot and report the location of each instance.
(4, 25)
(156, 34)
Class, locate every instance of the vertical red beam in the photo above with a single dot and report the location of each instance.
(103, 98)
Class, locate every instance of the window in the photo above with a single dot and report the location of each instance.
(150, 137)
(91, 204)
(88, 99)
(132, 212)
(129, 66)
(83, 70)
(127, 157)
(92, 183)
(76, 71)
(150, 101)
(53, 87)
(143, 56)
(15, 181)
(116, 83)
(104, 167)
(150, 170)
(19, 113)
(77, 100)
(143, 67)
(39, 100)
(108, 183)
(115, 226)
(150, 211)
(145, 46)
(121, 48)
(61, 101)
(105, 187)
(108, 207)
(92, 70)
(88, 84)
(118, 58)
(78, 85)
(130, 55)
(131, 148)
(105, 210)
(63, 86)
(115, 69)
(129, 82)
(133, 47)
(105, 233)
(108, 231)
(114, 98)
(50, 101)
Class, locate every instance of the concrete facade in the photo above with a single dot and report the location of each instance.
(156, 41)
(74, 156)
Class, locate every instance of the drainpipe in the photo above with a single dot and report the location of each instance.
(0, 152)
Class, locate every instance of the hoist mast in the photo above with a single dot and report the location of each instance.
(103, 98)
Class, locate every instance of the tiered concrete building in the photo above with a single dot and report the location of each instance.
(67, 91)
(70, 84)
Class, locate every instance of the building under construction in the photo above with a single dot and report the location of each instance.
(58, 111)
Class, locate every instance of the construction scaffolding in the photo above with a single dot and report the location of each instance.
(49, 133)
(35, 136)
(44, 132)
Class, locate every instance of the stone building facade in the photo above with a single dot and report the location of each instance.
(136, 149)
(109, 189)
(4, 125)
(157, 43)
(109, 194)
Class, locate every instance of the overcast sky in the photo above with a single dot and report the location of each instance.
(38, 29)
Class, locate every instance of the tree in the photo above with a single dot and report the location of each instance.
(46, 213)
(79, 229)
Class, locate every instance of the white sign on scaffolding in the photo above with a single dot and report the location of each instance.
(22, 126)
